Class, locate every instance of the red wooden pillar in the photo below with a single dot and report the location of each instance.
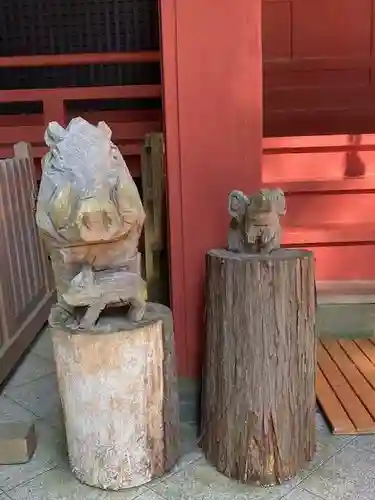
(212, 76)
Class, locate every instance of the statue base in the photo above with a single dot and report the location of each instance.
(118, 389)
(258, 395)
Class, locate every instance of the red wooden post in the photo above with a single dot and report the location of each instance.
(212, 78)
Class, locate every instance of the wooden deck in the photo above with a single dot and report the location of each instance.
(346, 385)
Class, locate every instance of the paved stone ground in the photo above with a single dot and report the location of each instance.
(343, 469)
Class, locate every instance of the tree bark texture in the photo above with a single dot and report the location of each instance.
(258, 402)
(120, 399)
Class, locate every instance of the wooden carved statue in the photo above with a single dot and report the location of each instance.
(255, 225)
(90, 215)
(102, 288)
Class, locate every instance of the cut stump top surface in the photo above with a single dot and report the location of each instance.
(114, 321)
(280, 254)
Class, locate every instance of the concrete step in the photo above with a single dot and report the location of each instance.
(346, 320)
(346, 292)
(346, 309)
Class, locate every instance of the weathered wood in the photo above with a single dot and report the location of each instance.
(26, 284)
(17, 442)
(91, 218)
(120, 400)
(258, 410)
(153, 188)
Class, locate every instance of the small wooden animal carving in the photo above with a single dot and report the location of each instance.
(255, 225)
(96, 290)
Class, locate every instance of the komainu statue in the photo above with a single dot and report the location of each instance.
(90, 216)
(255, 225)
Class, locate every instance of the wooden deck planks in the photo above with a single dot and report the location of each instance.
(331, 405)
(368, 348)
(360, 359)
(346, 385)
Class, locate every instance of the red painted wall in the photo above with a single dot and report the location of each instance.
(212, 72)
(319, 79)
(330, 187)
(318, 66)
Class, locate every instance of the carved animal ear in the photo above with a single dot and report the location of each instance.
(105, 129)
(278, 199)
(237, 204)
(54, 134)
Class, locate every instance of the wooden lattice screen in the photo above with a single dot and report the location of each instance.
(74, 27)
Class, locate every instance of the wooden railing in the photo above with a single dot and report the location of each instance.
(129, 127)
(79, 59)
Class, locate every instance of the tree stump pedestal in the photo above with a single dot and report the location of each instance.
(258, 409)
(119, 396)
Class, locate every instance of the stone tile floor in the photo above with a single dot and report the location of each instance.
(343, 468)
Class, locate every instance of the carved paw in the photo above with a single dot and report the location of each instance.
(268, 240)
(85, 325)
(252, 235)
(92, 315)
(136, 314)
(268, 235)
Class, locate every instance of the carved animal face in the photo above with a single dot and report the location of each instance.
(82, 289)
(97, 218)
(87, 193)
(254, 213)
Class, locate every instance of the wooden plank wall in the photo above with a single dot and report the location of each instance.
(330, 210)
(319, 120)
(26, 283)
(318, 66)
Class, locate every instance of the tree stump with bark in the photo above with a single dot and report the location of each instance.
(258, 402)
(120, 401)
